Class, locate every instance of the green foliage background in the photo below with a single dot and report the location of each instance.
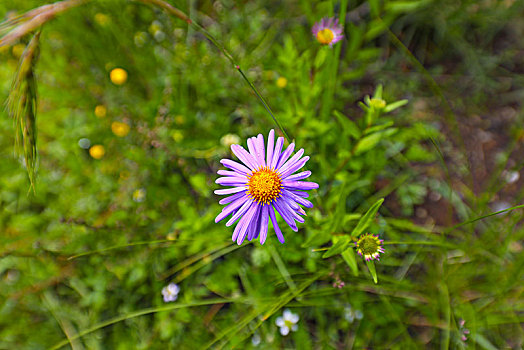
(82, 264)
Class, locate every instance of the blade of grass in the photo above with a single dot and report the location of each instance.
(282, 268)
(139, 313)
(103, 250)
(282, 301)
(176, 12)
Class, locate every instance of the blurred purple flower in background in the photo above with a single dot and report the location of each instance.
(328, 31)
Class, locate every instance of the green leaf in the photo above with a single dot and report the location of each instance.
(320, 58)
(378, 92)
(394, 105)
(370, 141)
(372, 270)
(349, 257)
(363, 106)
(378, 127)
(317, 239)
(349, 126)
(405, 6)
(340, 210)
(340, 244)
(367, 218)
(483, 342)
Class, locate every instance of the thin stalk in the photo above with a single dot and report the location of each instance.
(176, 12)
(264, 103)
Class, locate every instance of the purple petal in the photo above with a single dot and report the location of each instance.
(249, 217)
(290, 202)
(296, 216)
(270, 146)
(299, 185)
(240, 212)
(241, 224)
(276, 152)
(292, 168)
(230, 190)
(244, 156)
(231, 208)
(285, 212)
(300, 193)
(284, 156)
(275, 224)
(291, 208)
(257, 230)
(291, 162)
(232, 181)
(228, 173)
(231, 164)
(252, 151)
(301, 212)
(231, 198)
(315, 29)
(299, 176)
(264, 223)
(299, 200)
(259, 148)
(254, 226)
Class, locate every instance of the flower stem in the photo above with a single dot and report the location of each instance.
(264, 103)
(177, 13)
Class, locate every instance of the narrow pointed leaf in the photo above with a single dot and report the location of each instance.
(367, 218)
(349, 257)
(372, 270)
(339, 245)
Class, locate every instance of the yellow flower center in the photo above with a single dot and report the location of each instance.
(264, 185)
(325, 36)
(368, 244)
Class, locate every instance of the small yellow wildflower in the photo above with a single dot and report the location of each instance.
(120, 129)
(177, 136)
(102, 19)
(118, 76)
(139, 195)
(281, 82)
(179, 119)
(97, 151)
(100, 111)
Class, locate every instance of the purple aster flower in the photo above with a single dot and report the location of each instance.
(262, 185)
(328, 31)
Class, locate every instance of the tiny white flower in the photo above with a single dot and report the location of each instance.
(170, 292)
(255, 340)
(84, 143)
(229, 139)
(350, 315)
(511, 176)
(139, 195)
(287, 322)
